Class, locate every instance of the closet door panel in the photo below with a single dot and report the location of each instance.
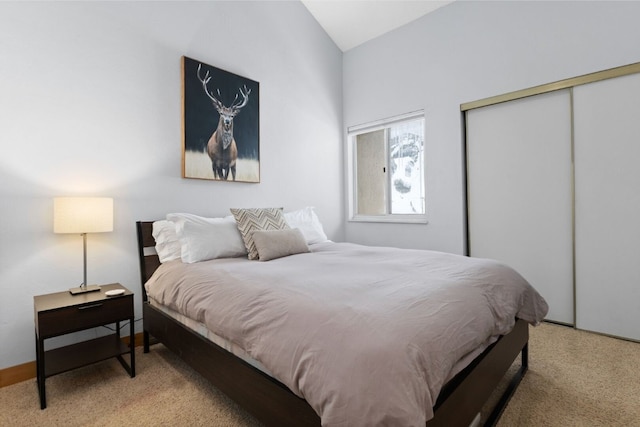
(607, 174)
(519, 192)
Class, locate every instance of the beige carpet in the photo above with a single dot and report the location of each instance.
(575, 379)
(165, 392)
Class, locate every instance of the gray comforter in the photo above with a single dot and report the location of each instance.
(367, 335)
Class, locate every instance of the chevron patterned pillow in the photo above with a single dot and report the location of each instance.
(250, 220)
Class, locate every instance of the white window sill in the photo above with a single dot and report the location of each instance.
(402, 219)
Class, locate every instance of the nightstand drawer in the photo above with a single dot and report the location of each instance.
(83, 316)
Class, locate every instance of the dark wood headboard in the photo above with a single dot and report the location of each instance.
(149, 260)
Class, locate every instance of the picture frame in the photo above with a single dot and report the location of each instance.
(221, 124)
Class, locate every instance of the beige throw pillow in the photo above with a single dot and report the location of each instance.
(272, 244)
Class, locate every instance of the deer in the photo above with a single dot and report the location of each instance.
(221, 147)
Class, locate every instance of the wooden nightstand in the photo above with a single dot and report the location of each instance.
(62, 313)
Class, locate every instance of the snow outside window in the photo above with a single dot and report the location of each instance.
(386, 170)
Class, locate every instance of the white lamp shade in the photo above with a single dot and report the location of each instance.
(80, 215)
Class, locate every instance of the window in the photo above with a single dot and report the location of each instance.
(386, 170)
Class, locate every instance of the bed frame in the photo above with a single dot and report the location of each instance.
(271, 402)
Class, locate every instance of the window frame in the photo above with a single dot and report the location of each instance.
(352, 168)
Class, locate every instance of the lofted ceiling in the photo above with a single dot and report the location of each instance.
(352, 22)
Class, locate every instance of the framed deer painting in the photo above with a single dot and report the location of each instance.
(221, 124)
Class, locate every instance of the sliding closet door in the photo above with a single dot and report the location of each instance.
(519, 192)
(607, 174)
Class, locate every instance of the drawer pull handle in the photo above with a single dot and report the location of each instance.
(85, 307)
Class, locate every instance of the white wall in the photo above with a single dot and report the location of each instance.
(463, 52)
(90, 105)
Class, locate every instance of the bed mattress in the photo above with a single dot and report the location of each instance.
(202, 330)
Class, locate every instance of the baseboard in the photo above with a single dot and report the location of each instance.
(17, 374)
(26, 371)
(138, 339)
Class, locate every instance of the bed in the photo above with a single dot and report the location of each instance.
(459, 398)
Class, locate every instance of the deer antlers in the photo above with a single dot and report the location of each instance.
(245, 99)
(235, 107)
(204, 82)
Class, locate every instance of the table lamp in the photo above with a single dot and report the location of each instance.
(82, 215)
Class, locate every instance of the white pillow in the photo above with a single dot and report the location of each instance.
(272, 244)
(168, 245)
(309, 224)
(202, 238)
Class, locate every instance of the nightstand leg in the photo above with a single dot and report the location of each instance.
(37, 363)
(131, 366)
(132, 346)
(40, 375)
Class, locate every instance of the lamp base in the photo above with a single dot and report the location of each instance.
(84, 289)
